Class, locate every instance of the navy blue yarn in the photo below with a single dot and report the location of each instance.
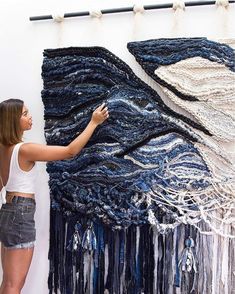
(68, 71)
(111, 180)
(100, 185)
(153, 53)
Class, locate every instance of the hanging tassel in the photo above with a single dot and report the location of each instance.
(187, 265)
(76, 239)
(187, 261)
(89, 241)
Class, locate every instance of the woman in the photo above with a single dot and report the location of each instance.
(17, 174)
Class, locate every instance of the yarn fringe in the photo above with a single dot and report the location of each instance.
(89, 257)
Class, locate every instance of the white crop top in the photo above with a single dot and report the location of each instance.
(19, 180)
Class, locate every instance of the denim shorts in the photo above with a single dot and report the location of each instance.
(17, 225)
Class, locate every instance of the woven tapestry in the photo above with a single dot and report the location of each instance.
(133, 211)
(198, 75)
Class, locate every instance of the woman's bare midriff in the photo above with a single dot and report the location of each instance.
(27, 195)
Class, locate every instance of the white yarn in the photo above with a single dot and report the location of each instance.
(223, 3)
(138, 8)
(213, 85)
(138, 11)
(178, 4)
(58, 17)
(95, 13)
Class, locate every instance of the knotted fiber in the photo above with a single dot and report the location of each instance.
(119, 209)
(198, 75)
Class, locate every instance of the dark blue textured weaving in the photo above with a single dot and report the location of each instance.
(141, 158)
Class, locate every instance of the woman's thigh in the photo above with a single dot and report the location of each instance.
(15, 264)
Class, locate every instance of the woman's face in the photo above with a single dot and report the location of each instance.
(26, 119)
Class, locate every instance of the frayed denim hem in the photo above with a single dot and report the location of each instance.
(21, 246)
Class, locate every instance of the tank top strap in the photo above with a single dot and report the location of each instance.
(15, 152)
(17, 147)
(14, 163)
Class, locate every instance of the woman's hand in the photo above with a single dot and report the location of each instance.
(100, 114)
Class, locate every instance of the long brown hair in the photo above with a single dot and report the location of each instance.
(10, 114)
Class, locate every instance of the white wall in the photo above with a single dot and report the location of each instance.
(21, 46)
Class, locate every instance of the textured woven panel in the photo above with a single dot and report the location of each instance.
(141, 157)
(143, 173)
(198, 75)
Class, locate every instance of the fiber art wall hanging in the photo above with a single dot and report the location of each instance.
(132, 212)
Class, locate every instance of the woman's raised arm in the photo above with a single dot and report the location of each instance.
(38, 152)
